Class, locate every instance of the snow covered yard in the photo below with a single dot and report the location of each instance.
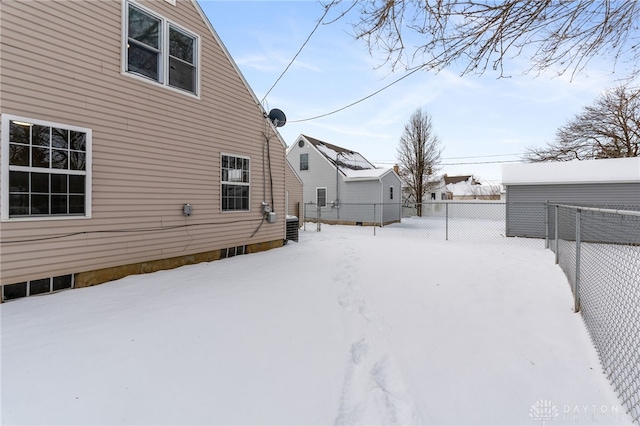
(341, 328)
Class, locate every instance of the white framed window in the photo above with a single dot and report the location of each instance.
(321, 197)
(158, 50)
(47, 167)
(236, 182)
(304, 161)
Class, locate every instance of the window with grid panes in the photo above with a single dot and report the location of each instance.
(160, 50)
(235, 183)
(47, 168)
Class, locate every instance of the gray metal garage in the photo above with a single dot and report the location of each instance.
(612, 183)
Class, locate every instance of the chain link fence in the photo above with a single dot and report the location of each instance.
(599, 251)
(361, 214)
(468, 221)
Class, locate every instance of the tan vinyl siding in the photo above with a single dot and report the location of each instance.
(154, 148)
(294, 188)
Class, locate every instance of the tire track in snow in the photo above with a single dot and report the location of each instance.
(373, 390)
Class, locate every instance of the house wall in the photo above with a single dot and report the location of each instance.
(525, 203)
(392, 209)
(320, 173)
(362, 192)
(154, 149)
(357, 202)
(294, 190)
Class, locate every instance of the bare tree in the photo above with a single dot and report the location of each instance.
(610, 128)
(485, 33)
(418, 156)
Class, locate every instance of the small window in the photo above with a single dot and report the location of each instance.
(235, 183)
(433, 195)
(159, 50)
(182, 66)
(34, 287)
(321, 197)
(144, 44)
(391, 192)
(304, 161)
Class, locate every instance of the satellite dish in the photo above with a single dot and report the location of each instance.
(277, 117)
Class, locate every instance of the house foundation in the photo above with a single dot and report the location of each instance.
(100, 276)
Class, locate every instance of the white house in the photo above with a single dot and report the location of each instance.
(341, 186)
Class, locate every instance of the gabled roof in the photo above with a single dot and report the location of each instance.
(350, 163)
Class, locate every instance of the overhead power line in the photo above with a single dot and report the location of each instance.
(480, 162)
(359, 100)
(327, 7)
(458, 164)
(468, 157)
(483, 156)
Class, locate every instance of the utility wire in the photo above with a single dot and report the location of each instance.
(458, 158)
(458, 164)
(327, 7)
(339, 109)
(471, 162)
(120, 231)
(480, 162)
(358, 101)
(483, 156)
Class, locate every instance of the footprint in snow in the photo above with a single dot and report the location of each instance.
(359, 351)
(374, 391)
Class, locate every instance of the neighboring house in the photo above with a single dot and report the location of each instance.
(464, 187)
(130, 142)
(613, 183)
(341, 186)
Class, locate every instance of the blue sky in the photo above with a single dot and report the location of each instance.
(475, 116)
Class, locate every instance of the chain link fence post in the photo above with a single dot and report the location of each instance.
(557, 232)
(576, 295)
(374, 219)
(546, 224)
(446, 220)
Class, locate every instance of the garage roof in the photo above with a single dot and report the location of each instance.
(618, 170)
